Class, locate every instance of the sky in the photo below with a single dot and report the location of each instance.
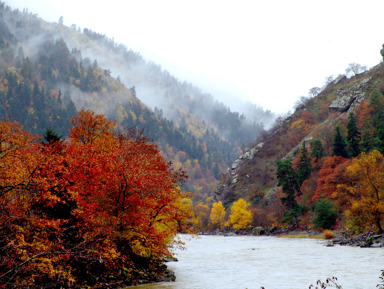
(268, 52)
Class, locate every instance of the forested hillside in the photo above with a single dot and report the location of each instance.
(50, 70)
(320, 168)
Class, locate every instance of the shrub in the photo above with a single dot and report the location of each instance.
(326, 214)
(328, 234)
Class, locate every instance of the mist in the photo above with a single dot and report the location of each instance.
(158, 88)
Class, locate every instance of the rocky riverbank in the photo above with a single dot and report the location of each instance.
(342, 238)
(367, 240)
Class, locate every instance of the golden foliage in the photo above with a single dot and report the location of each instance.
(217, 216)
(364, 192)
(240, 217)
(328, 234)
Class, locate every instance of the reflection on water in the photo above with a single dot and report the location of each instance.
(251, 262)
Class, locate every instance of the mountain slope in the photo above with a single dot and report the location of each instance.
(253, 175)
(193, 130)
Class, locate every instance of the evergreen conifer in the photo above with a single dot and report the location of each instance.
(304, 166)
(339, 145)
(353, 136)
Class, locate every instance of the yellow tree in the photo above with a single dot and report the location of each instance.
(363, 195)
(202, 214)
(186, 213)
(240, 217)
(217, 215)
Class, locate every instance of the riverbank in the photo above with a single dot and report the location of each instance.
(342, 238)
(366, 240)
(336, 237)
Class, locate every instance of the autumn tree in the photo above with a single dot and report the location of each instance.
(240, 217)
(39, 223)
(88, 127)
(217, 216)
(202, 213)
(364, 192)
(104, 203)
(330, 175)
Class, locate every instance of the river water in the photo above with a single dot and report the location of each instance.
(241, 262)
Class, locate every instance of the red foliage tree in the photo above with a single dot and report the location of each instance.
(330, 175)
(96, 209)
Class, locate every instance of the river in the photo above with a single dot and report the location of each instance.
(241, 262)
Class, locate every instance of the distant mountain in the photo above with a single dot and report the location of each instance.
(48, 71)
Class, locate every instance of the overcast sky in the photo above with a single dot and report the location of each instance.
(269, 52)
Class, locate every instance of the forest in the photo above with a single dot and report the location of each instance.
(96, 180)
(325, 167)
(55, 70)
(68, 219)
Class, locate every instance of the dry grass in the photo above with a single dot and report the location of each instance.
(300, 236)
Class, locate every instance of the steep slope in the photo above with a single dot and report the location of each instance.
(193, 130)
(253, 174)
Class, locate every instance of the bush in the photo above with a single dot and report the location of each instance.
(328, 234)
(326, 214)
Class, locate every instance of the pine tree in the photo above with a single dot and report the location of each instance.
(353, 136)
(367, 135)
(288, 180)
(317, 152)
(377, 105)
(51, 136)
(304, 165)
(339, 145)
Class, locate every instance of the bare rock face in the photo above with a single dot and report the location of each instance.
(225, 191)
(346, 97)
(342, 103)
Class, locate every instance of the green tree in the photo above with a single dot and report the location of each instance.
(367, 135)
(353, 136)
(304, 165)
(325, 214)
(339, 145)
(51, 136)
(317, 152)
(288, 180)
(377, 106)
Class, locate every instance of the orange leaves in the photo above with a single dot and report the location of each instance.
(330, 175)
(363, 194)
(88, 205)
(357, 188)
(89, 127)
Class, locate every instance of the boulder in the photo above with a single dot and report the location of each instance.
(338, 79)
(169, 276)
(346, 97)
(342, 103)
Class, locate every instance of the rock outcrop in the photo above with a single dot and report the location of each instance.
(347, 96)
